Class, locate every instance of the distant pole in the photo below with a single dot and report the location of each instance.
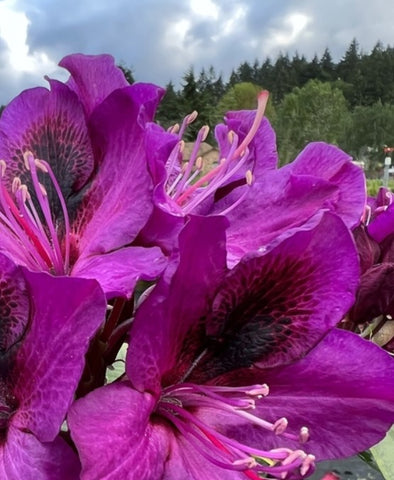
(386, 174)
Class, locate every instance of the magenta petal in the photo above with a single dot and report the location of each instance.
(117, 272)
(275, 204)
(50, 360)
(114, 437)
(119, 202)
(186, 463)
(383, 225)
(262, 149)
(50, 124)
(375, 295)
(24, 457)
(171, 310)
(332, 164)
(343, 391)
(93, 78)
(275, 306)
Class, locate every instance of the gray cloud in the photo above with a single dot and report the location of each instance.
(160, 40)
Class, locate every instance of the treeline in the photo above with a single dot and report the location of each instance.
(349, 103)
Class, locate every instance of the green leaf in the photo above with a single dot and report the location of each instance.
(383, 454)
(117, 369)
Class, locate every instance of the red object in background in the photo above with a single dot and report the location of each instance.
(388, 149)
(331, 476)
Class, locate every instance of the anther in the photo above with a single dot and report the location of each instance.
(40, 165)
(16, 183)
(26, 158)
(43, 189)
(204, 132)
(280, 425)
(249, 177)
(307, 463)
(191, 117)
(174, 128)
(260, 392)
(3, 167)
(24, 192)
(304, 434)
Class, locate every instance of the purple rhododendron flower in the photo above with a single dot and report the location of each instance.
(75, 190)
(225, 367)
(375, 242)
(46, 325)
(260, 200)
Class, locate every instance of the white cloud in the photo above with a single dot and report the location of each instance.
(294, 25)
(205, 8)
(13, 30)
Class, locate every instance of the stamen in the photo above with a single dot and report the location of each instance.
(20, 228)
(65, 215)
(174, 128)
(202, 135)
(40, 242)
(42, 199)
(304, 434)
(216, 447)
(224, 171)
(16, 183)
(280, 426)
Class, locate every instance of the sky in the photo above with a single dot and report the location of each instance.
(161, 39)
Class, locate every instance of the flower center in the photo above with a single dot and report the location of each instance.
(181, 185)
(180, 405)
(34, 230)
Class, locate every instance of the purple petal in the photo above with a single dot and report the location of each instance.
(276, 203)
(114, 437)
(50, 124)
(163, 321)
(186, 463)
(93, 78)
(332, 164)
(375, 295)
(263, 155)
(273, 307)
(162, 229)
(368, 249)
(120, 200)
(23, 456)
(49, 362)
(165, 222)
(383, 225)
(118, 272)
(342, 380)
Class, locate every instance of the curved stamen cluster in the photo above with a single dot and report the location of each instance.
(35, 232)
(179, 184)
(178, 403)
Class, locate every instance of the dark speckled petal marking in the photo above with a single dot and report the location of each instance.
(51, 125)
(14, 307)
